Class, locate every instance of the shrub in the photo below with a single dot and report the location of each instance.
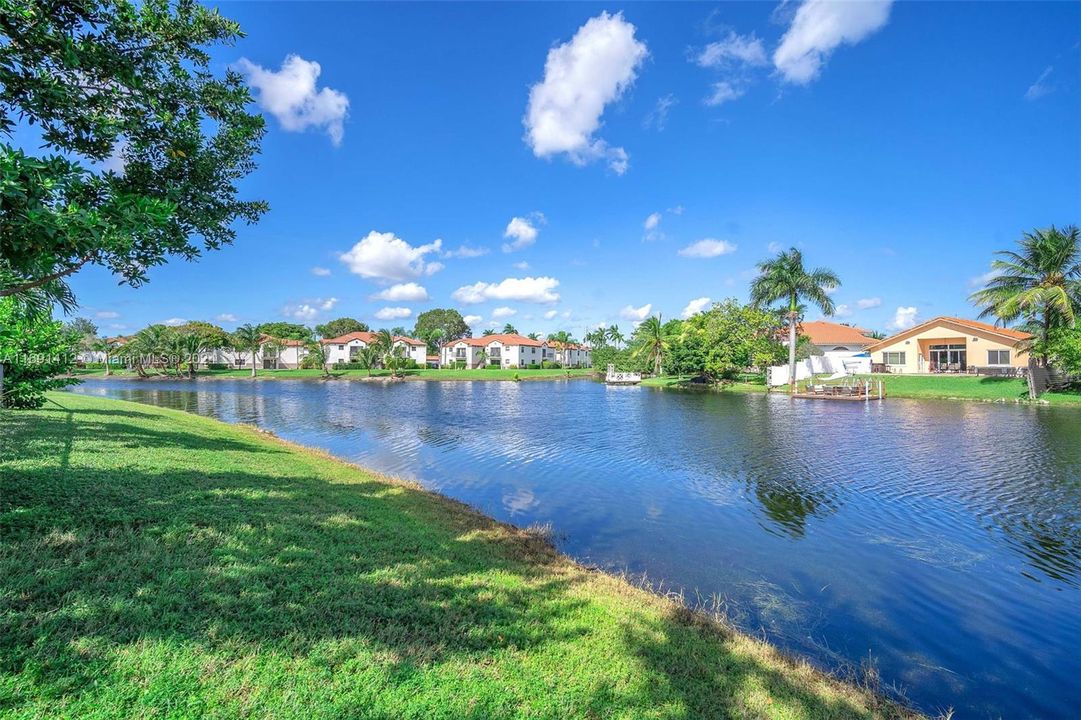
(550, 365)
(34, 349)
(534, 366)
(218, 366)
(492, 366)
(459, 365)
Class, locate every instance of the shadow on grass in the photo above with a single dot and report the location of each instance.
(113, 535)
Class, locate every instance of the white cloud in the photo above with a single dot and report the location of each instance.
(522, 265)
(310, 309)
(818, 28)
(291, 96)
(107, 314)
(652, 221)
(677, 210)
(327, 304)
(523, 230)
(652, 229)
(868, 303)
(723, 92)
(501, 313)
(842, 311)
(581, 77)
(402, 292)
(550, 314)
(694, 307)
(472, 320)
(658, 116)
(393, 313)
(174, 322)
(980, 280)
(904, 318)
(708, 248)
(632, 313)
(464, 251)
(1041, 87)
(775, 247)
(320, 271)
(529, 289)
(226, 318)
(386, 256)
(735, 49)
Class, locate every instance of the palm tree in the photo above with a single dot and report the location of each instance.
(482, 357)
(194, 345)
(509, 329)
(1040, 284)
(615, 335)
(561, 337)
(489, 331)
(384, 345)
(533, 336)
(368, 357)
(274, 347)
(317, 351)
(246, 339)
(651, 340)
(105, 347)
(784, 279)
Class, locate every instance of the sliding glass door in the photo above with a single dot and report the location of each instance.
(948, 358)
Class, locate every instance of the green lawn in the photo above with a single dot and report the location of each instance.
(744, 384)
(426, 374)
(158, 564)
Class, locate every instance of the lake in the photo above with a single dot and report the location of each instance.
(942, 539)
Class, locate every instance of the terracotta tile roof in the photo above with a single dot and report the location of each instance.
(974, 325)
(499, 337)
(367, 338)
(409, 340)
(827, 333)
(284, 342)
(569, 346)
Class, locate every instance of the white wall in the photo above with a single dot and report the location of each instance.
(819, 365)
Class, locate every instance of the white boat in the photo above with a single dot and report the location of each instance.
(614, 377)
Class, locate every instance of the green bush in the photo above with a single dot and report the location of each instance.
(550, 365)
(93, 365)
(34, 349)
(534, 366)
(459, 365)
(217, 366)
(492, 366)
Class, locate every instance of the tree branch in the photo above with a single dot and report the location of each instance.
(32, 284)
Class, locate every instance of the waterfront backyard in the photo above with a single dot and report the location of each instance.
(908, 533)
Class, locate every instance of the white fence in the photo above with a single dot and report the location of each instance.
(820, 365)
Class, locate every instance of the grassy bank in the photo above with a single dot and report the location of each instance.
(154, 563)
(944, 387)
(426, 374)
(745, 384)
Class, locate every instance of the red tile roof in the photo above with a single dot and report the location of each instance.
(974, 325)
(504, 339)
(367, 338)
(827, 333)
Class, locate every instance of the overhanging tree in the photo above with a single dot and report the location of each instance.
(142, 145)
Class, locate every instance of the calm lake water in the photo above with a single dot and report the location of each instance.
(942, 539)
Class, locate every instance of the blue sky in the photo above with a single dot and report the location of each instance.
(899, 145)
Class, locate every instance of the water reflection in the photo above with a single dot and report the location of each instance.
(943, 538)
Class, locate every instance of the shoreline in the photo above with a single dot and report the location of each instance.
(354, 376)
(531, 553)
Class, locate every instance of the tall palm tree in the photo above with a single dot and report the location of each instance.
(246, 339)
(194, 346)
(368, 358)
(509, 329)
(784, 279)
(561, 337)
(652, 341)
(317, 353)
(533, 336)
(384, 345)
(105, 347)
(274, 347)
(1039, 284)
(615, 335)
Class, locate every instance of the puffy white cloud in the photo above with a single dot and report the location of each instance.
(1041, 87)
(868, 303)
(328, 304)
(652, 221)
(501, 313)
(107, 314)
(523, 231)
(550, 314)
(320, 271)
(694, 307)
(392, 313)
(226, 318)
(291, 96)
(174, 322)
(723, 92)
(632, 313)
(818, 28)
(310, 309)
(708, 248)
(464, 251)
(386, 256)
(473, 320)
(735, 49)
(842, 311)
(581, 77)
(528, 289)
(402, 292)
(904, 318)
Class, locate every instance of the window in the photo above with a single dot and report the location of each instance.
(341, 347)
(998, 357)
(893, 358)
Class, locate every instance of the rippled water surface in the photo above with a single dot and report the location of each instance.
(941, 539)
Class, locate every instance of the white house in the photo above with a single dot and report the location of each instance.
(345, 348)
(273, 354)
(571, 355)
(508, 351)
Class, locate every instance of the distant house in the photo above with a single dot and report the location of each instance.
(571, 355)
(346, 348)
(950, 345)
(830, 337)
(504, 350)
(273, 354)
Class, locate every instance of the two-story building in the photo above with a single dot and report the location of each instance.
(571, 355)
(345, 348)
(503, 350)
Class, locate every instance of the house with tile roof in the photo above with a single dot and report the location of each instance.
(571, 355)
(831, 337)
(951, 345)
(345, 348)
(504, 350)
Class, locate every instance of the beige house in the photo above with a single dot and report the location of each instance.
(950, 345)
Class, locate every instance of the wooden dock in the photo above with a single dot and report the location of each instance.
(858, 391)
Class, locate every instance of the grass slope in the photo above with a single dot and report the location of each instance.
(158, 564)
(426, 374)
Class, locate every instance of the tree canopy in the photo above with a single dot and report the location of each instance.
(340, 326)
(447, 320)
(285, 331)
(142, 146)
